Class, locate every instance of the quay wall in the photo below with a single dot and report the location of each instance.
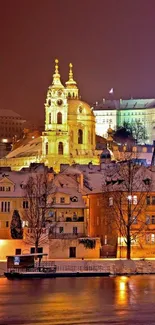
(112, 266)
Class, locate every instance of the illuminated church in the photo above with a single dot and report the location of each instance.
(69, 135)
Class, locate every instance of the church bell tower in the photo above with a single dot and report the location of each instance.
(55, 137)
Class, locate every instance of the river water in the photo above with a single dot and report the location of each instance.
(78, 301)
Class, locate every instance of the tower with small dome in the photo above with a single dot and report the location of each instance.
(69, 135)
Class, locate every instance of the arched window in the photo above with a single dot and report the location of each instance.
(80, 136)
(60, 148)
(59, 118)
(49, 118)
(46, 148)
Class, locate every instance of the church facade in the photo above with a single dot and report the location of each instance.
(69, 135)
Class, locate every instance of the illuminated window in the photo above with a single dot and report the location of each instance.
(135, 199)
(59, 118)
(49, 118)
(60, 148)
(152, 238)
(25, 223)
(80, 136)
(111, 201)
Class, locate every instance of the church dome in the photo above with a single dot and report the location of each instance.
(77, 107)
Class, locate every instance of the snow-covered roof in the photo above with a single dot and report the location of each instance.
(117, 104)
(32, 148)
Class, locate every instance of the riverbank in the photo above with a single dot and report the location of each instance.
(97, 266)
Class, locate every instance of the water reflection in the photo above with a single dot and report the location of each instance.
(79, 301)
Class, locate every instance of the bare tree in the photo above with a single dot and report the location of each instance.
(124, 196)
(37, 191)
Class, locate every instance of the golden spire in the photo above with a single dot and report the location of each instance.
(56, 66)
(71, 82)
(70, 72)
(56, 77)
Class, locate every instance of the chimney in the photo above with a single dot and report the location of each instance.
(80, 182)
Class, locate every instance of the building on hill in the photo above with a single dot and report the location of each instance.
(12, 125)
(102, 199)
(69, 132)
(116, 112)
(67, 214)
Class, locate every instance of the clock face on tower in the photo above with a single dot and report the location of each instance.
(59, 102)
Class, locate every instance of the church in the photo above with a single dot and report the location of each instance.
(69, 134)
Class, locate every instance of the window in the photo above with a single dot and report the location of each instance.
(148, 200)
(153, 200)
(7, 224)
(46, 148)
(5, 206)
(153, 220)
(18, 251)
(2, 188)
(53, 200)
(25, 223)
(75, 230)
(152, 238)
(148, 221)
(32, 250)
(25, 204)
(80, 136)
(135, 199)
(111, 201)
(49, 118)
(60, 148)
(61, 230)
(59, 118)
(62, 200)
(40, 250)
(8, 188)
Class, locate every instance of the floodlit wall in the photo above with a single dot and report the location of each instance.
(60, 248)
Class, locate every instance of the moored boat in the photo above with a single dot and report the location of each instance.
(25, 267)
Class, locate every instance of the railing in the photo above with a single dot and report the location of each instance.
(66, 236)
(71, 219)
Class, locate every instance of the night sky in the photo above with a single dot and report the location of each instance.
(111, 43)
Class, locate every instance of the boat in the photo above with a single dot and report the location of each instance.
(25, 266)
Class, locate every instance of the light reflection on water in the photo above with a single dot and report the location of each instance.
(80, 301)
